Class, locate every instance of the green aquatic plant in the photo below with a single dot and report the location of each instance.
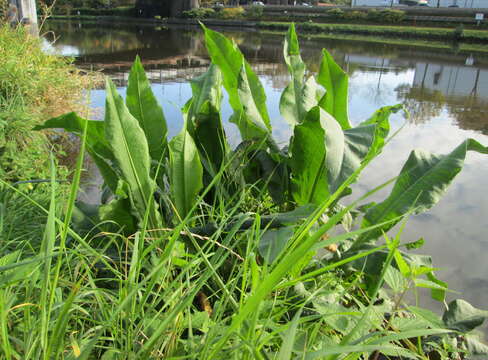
(206, 251)
(325, 152)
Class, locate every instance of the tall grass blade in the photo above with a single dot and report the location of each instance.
(47, 247)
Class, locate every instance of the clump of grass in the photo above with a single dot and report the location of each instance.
(34, 86)
(47, 84)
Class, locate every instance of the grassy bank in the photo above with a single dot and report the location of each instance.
(457, 47)
(405, 32)
(34, 86)
(202, 251)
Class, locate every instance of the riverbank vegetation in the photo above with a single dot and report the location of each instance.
(233, 17)
(405, 32)
(203, 251)
(34, 86)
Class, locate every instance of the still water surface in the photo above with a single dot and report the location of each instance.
(445, 91)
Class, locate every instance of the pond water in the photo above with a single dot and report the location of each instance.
(446, 92)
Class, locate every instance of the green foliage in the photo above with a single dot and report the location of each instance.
(382, 31)
(224, 259)
(254, 12)
(300, 95)
(34, 86)
(186, 172)
(144, 107)
(459, 32)
(130, 149)
(336, 13)
(199, 13)
(386, 16)
(246, 94)
(355, 15)
(421, 183)
(231, 13)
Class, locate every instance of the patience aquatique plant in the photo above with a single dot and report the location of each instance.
(207, 251)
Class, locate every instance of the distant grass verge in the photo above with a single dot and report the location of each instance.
(408, 32)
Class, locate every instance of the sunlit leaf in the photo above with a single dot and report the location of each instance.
(186, 172)
(131, 152)
(300, 95)
(143, 105)
(335, 81)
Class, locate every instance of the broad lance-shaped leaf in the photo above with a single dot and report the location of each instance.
(335, 82)
(250, 119)
(144, 107)
(308, 153)
(206, 87)
(96, 143)
(186, 172)
(130, 149)
(203, 120)
(315, 178)
(345, 150)
(246, 94)
(422, 181)
(300, 95)
(345, 153)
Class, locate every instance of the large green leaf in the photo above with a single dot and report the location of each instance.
(131, 152)
(253, 120)
(422, 181)
(246, 94)
(300, 95)
(186, 172)
(464, 317)
(308, 159)
(144, 107)
(203, 117)
(335, 82)
(75, 124)
(345, 150)
(96, 143)
(206, 88)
